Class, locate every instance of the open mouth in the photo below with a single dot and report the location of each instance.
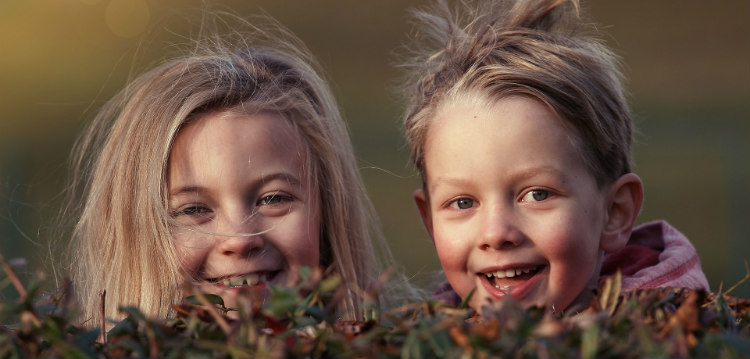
(506, 278)
(247, 280)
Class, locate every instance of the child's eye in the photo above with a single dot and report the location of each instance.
(191, 210)
(463, 203)
(536, 195)
(273, 198)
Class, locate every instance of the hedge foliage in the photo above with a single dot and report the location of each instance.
(300, 322)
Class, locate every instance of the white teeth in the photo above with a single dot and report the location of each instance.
(510, 273)
(252, 279)
(504, 288)
(249, 279)
(236, 281)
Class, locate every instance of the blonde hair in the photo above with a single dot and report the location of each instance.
(540, 49)
(122, 239)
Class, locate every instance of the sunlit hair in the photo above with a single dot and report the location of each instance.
(539, 49)
(122, 240)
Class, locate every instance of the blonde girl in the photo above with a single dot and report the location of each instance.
(228, 166)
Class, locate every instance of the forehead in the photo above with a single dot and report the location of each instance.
(236, 124)
(219, 129)
(510, 115)
(238, 140)
(473, 133)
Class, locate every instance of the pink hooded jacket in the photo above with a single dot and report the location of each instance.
(656, 255)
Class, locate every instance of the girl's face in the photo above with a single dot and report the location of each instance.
(510, 205)
(242, 202)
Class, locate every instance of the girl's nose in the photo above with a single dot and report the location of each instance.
(240, 245)
(240, 238)
(499, 229)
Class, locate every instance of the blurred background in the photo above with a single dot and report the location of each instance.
(688, 65)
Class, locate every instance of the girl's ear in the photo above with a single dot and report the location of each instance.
(623, 206)
(423, 203)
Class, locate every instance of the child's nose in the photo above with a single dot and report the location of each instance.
(240, 237)
(240, 245)
(499, 229)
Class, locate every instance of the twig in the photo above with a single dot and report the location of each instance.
(153, 345)
(743, 280)
(13, 277)
(102, 329)
(212, 311)
(721, 292)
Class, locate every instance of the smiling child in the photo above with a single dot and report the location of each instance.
(229, 168)
(247, 212)
(522, 135)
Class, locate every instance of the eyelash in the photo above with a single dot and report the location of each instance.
(191, 210)
(196, 209)
(455, 203)
(281, 197)
(547, 194)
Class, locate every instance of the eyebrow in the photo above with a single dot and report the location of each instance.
(451, 181)
(277, 176)
(186, 189)
(285, 176)
(514, 177)
(535, 171)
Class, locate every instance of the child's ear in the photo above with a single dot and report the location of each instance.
(423, 203)
(624, 201)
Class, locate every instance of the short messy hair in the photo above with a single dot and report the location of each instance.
(539, 49)
(122, 237)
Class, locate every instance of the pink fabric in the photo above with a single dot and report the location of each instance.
(678, 264)
(656, 255)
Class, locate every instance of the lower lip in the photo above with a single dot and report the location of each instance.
(516, 291)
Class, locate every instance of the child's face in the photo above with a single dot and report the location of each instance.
(230, 175)
(510, 205)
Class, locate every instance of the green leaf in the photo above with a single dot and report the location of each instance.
(305, 272)
(465, 303)
(330, 284)
(590, 342)
(212, 298)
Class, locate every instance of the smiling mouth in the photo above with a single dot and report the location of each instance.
(248, 280)
(506, 278)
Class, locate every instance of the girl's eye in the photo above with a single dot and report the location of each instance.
(463, 203)
(192, 210)
(274, 198)
(536, 195)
